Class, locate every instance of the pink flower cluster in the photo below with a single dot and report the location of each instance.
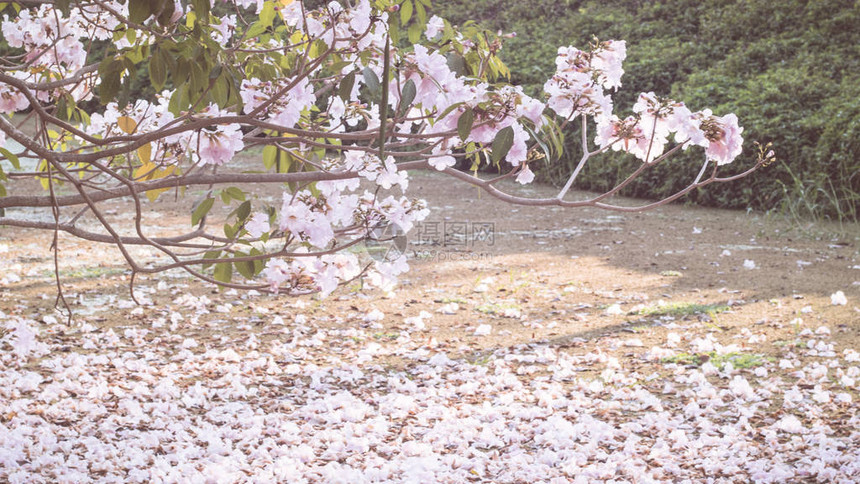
(279, 107)
(314, 220)
(646, 133)
(214, 145)
(582, 78)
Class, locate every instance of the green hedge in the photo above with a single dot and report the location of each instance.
(790, 69)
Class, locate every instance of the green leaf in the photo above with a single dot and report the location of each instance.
(243, 211)
(167, 9)
(212, 254)
(158, 69)
(406, 12)
(201, 210)
(139, 10)
(221, 91)
(414, 33)
(11, 157)
(245, 268)
(267, 15)
(223, 272)
(346, 85)
(540, 142)
(270, 156)
(110, 71)
(422, 13)
(448, 111)
(235, 193)
(255, 30)
(407, 95)
(231, 230)
(201, 7)
(464, 124)
(457, 63)
(371, 81)
(283, 162)
(502, 143)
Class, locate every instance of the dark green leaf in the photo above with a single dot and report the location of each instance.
(407, 95)
(201, 210)
(346, 85)
(371, 80)
(245, 268)
(243, 211)
(464, 124)
(62, 5)
(167, 9)
(158, 69)
(448, 111)
(139, 10)
(502, 143)
(540, 142)
(457, 63)
(201, 8)
(221, 91)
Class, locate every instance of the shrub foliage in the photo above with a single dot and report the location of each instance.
(789, 68)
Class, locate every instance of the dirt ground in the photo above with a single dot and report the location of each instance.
(534, 274)
(586, 340)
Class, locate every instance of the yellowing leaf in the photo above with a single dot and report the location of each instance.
(147, 168)
(145, 153)
(286, 2)
(297, 38)
(126, 124)
(148, 171)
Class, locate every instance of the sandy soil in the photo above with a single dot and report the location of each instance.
(533, 274)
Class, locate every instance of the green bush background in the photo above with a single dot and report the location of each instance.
(790, 70)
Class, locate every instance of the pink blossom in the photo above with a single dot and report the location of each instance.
(725, 138)
(442, 162)
(607, 61)
(11, 100)
(218, 147)
(258, 225)
(526, 175)
(434, 26)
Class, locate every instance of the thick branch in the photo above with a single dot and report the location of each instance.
(198, 179)
(103, 238)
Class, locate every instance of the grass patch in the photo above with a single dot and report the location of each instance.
(482, 360)
(738, 360)
(386, 336)
(497, 309)
(682, 309)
